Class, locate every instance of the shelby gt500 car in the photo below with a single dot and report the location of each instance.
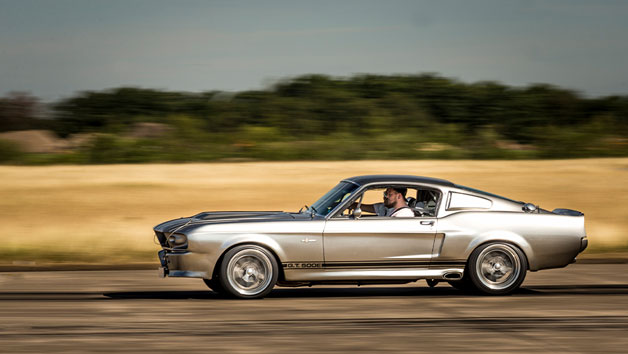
(422, 228)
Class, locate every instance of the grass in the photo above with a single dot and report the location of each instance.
(105, 213)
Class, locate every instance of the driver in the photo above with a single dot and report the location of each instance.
(394, 204)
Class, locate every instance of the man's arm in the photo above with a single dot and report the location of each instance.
(365, 207)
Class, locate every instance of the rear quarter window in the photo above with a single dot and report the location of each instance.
(461, 201)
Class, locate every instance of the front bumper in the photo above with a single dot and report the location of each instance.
(584, 242)
(184, 264)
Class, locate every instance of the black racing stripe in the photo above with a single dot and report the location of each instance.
(447, 262)
(448, 265)
(375, 264)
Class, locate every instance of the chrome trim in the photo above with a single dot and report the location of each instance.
(186, 273)
(584, 242)
(371, 274)
(362, 188)
(413, 256)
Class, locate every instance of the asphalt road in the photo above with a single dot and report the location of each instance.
(581, 308)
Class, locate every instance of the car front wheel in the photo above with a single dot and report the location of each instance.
(248, 272)
(497, 268)
(214, 285)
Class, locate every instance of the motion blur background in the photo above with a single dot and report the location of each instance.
(234, 87)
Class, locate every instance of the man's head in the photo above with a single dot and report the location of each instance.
(394, 197)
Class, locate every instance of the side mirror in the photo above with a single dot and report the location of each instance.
(357, 212)
(529, 208)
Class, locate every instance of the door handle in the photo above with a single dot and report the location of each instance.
(431, 222)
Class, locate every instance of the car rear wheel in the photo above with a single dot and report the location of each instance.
(497, 268)
(248, 272)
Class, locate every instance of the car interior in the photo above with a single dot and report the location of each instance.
(422, 201)
(425, 202)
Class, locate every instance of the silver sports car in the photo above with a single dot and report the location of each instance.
(421, 228)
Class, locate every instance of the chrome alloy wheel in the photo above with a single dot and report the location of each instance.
(498, 266)
(249, 272)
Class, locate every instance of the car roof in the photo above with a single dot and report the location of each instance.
(362, 180)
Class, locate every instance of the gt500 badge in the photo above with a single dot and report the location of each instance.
(302, 265)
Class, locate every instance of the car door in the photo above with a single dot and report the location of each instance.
(384, 241)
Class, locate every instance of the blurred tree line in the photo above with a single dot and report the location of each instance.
(322, 117)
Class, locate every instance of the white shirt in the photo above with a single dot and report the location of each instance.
(403, 212)
(381, 210)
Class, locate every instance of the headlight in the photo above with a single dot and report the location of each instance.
(176, 240)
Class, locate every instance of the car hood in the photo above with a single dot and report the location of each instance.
(221, 217)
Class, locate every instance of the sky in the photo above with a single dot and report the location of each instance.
(55, 48)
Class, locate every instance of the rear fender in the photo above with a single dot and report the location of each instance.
(503, 236)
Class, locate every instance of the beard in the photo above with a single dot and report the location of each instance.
(388, 203)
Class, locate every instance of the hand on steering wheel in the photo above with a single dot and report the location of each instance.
(351, 207)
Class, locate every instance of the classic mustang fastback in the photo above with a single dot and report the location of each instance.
(474, 240)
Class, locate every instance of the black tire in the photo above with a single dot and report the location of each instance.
(248, 272)
(497, 268)
(463, 284)
(214, 285)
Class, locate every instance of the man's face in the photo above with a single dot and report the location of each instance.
(390, 197)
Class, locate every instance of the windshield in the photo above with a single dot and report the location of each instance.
(332, 198)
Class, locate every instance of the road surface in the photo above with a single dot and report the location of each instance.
(581, 308)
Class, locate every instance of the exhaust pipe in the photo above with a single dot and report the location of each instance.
(452, 276)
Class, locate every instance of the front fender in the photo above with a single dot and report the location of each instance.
(214, 245)
(258, 239)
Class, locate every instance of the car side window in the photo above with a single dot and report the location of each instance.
(370, 196)
(373, 196)
(461, 201)
(422, 201)
(426, 201)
